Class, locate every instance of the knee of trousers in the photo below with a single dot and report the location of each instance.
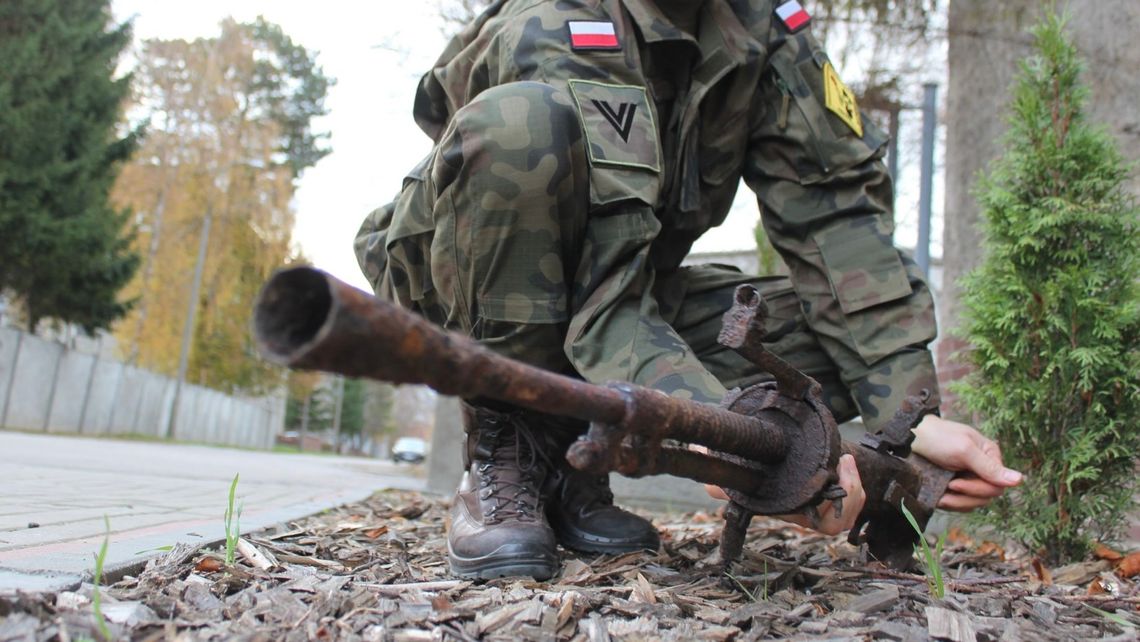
(517, 144)
(510, 183)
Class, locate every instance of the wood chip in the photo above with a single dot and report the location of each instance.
(444, 585)
(875, 601)
(642, 591)
(255, 556)
(944, 624)
(377, 570)
(310, 561)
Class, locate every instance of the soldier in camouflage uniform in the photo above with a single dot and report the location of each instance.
(581, 147)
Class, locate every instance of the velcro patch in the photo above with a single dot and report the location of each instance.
(839, 98)
(793, 15)
(593, 35)
(619, 124)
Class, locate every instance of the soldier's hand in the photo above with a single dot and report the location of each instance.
(976, 458)
(831, 518)
(828, 518)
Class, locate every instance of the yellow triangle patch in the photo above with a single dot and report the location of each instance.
(839, 98)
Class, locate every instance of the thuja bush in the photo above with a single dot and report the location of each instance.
(1052, 313)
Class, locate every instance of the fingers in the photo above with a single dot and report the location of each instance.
(833, 521)
(716, 492)
(956, 446)
(962, 503)
(974, 486)
(989, 467)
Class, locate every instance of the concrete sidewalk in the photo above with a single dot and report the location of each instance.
(56, 490)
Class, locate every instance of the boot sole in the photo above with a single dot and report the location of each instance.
(585, 545)
(539, 569)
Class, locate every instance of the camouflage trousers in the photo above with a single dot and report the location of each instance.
(494, 236)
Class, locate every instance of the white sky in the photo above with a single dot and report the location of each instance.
(377, 51)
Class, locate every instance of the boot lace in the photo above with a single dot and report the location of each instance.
(511, 477)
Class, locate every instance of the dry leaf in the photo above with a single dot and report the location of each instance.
(1041, 572)
(1129, 566)
(209, 565)
(1103, 552)
(375, 532)
(958, 537)
(1097, 587)
(990, 548)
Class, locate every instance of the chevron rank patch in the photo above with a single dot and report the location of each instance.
(619, 125)
(593, 34)
(793, 15)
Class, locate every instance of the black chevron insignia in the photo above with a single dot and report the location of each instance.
(622, 119)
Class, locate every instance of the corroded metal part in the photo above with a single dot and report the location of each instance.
(774, 447)
(307, 319)
(808, 474)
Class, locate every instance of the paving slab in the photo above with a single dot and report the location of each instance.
(57, 490)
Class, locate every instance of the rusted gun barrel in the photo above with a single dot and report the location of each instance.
(773, 447)
(310, 320)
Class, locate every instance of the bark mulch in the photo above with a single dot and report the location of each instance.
(377, 570)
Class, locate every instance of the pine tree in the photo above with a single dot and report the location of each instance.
(1053, 314)
(64, 252)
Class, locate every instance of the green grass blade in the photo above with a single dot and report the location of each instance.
(97, 579)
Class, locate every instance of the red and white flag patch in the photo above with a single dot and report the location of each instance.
(793, 15)
(592, 34)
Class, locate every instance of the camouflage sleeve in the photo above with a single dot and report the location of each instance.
(826, 198)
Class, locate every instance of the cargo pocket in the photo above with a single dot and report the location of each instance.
(865, 273)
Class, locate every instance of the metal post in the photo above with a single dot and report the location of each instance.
(188, 327)
(893, 145)
(926, 187)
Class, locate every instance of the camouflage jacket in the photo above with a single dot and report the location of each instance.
(747, 98)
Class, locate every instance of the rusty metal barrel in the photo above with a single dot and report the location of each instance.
(305, 318)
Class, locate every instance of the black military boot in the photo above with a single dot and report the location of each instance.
(581, 510)
(497, 525)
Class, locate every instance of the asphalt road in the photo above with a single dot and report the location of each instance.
(56, 490)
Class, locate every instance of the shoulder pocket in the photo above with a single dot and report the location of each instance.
(619, 125)
(830, 144)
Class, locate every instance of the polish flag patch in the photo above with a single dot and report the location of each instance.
(592, 34)
(793, 15)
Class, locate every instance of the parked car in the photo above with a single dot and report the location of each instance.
(409, 449)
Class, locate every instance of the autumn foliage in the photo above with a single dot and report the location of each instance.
(229, 132)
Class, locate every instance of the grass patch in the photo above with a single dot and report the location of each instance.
(233, 524)
(931, 559)
(97, 579)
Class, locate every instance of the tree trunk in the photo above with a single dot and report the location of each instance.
(986, 41)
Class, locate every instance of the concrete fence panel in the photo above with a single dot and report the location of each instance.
(101, 404)
(152, 414)
(10, 340)
(31, 390)
(45, 385)
(70, 391)
(128, 399)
